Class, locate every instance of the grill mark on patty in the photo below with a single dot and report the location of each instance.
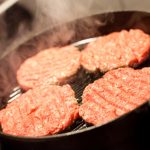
(50, 111)
(118, 102)
(103, 102)
(100, 100)
(101, 113)
(123, 82)
(129, 92)
(122, 89)
(121, 94)
(107, 92)
(90, 105)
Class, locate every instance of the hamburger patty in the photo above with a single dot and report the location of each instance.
(52, 66)
(124, 48)
(118, 92)
(44, 110)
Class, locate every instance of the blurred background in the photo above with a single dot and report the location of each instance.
(24, 19)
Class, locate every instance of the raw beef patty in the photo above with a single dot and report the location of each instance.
(124, 48)
(44, 110)
(118, 92)
(52, 66)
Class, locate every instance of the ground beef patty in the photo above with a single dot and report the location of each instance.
(118, 92)
(53, 66)
(124, 48)
(40, 111)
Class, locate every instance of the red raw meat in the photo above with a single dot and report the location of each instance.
(124, 48)
(44, 110)
(52, 66)
(118, 92)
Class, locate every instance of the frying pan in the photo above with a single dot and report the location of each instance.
(129, 132)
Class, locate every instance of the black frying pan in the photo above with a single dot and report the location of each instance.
(129, 132)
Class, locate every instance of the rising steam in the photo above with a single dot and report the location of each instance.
(46, 15)
(51, 16)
